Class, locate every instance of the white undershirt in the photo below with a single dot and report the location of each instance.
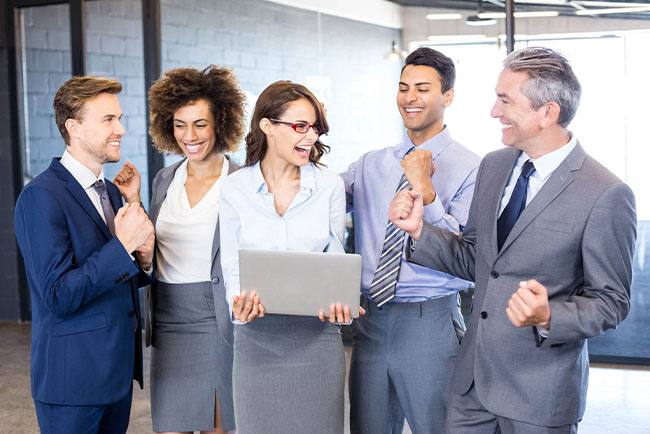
(184, 234)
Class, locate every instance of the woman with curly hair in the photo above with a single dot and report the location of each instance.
(289, 371)
(198, 114)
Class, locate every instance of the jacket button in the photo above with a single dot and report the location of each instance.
(494, 274)
(215, 280)
(484, 314)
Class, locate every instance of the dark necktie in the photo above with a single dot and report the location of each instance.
(515, 205)
(382, 289)
(109, 214)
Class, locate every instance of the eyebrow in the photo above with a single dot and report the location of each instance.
(111, 116)
(503, 95)
(198, 120)
(421, 83)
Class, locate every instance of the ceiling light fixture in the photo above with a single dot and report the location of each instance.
(613, 11)
(395, 55)
(522, 14)
(436, 17)
(476, 20)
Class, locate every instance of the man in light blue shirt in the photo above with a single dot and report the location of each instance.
(406, 344)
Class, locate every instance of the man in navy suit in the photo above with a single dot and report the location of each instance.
(85, 260)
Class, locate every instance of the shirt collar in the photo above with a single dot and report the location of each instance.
(546, 164)
(435, 144)
(307, 178)
(84, 176)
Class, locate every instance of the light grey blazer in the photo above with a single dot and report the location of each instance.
(160, 185)
(576, 237)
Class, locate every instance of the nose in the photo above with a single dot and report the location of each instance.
(411, 95)
(190, 134)
(312, 133)
(496, 110)
(119, 128)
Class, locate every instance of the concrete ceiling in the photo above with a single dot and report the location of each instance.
(569, 7)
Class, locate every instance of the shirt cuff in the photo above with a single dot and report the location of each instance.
(149, 270)
(542, 332)
(434, 211)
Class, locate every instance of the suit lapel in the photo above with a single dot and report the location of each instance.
(501, 173)
(216, 240)
(556, 184)
(80, 195)
(160, 190)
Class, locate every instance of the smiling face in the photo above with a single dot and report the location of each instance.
(194, 130)
(95, 138)
(522, 124)
(286, 143)
(421, 102)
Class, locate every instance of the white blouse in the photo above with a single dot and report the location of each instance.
(184, 235)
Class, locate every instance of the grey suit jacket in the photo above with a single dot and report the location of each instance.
(576, 237)
(160, 186)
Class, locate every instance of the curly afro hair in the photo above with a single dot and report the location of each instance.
(179, 87)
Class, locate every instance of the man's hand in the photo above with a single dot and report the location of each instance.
(128, 181)
(529, 305)
(132, 226)
(419, 168)
(144, 253)
(405, 212)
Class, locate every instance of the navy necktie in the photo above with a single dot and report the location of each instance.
(516, 204)
(109, 213)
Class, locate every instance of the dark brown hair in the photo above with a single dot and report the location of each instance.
(179, 87)
(74, 94)
(272, 104)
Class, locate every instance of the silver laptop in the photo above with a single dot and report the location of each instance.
(301, 283)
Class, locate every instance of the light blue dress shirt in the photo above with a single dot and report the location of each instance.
(371, 183)
(314, 221)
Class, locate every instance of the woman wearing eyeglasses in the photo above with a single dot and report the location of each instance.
(288, 371)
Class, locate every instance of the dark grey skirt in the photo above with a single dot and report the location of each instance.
(288, 376)
(190, 361)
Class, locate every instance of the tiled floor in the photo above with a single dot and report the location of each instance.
(618, 400)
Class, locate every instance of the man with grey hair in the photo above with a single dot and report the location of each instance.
(549, 242)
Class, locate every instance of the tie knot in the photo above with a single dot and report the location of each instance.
(99, 186)
(527, 169)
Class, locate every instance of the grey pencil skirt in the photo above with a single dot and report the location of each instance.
(190, 361)
(288, 376)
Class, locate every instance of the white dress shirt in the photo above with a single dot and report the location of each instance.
(185, 234)
(544, 167)
(86, 178)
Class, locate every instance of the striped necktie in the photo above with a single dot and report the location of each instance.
(382, 289)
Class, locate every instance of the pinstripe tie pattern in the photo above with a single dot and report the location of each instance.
(383, 285)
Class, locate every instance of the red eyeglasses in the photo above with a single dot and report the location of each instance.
(299, 127)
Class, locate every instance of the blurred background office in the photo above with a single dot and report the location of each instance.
(350, 54)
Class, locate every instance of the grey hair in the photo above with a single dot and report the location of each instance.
(551, 79)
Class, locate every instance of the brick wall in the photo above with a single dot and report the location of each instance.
(264, 42)
(113, 49)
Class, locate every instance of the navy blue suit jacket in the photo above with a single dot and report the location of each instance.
(86, 342)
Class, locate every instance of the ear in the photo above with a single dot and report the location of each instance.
(266, 126)
(550, 114)
(72, 126)
(448, 97)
